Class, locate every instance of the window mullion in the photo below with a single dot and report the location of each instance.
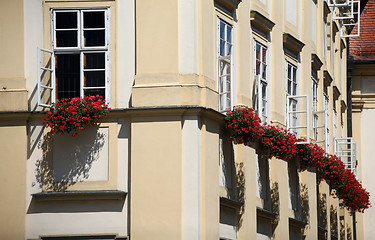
(81, 74)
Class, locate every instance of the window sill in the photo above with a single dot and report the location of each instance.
(80, 195)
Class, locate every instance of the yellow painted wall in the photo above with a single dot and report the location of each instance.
(13, 155)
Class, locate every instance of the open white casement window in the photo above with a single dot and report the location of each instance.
(326, 114)
(297, 106)
(46, 75)
(351, 19)
(224, 56)
(80, 52)
(339, 3)
(315, 116)
(319, 118)
(298, 116)
(260, 80)
(346, 149)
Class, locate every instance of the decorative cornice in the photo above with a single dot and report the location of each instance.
(336, 92)
(327, 78)
(316, 63)
(266, 215)
(326, 9)
(343, 106)
(231, 5)
(343, 46)
(297, 223)
(292, 44)
(335, 27)
(261, 22)
(236, 205)
(22, 116)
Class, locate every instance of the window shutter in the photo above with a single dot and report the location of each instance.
(46, 77)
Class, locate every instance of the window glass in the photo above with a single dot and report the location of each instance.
(68, 75)
(66, 20)
(93, 20)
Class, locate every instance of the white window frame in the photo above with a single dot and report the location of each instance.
(294, 104)
(334, 3)
(293, 88)
(326, 110)
(225, 92)
(346, 149)
(334, 118)
(45, 66)
(324, 39)
(354, 14)
(261, 106)
(314, 103)
(79, 49)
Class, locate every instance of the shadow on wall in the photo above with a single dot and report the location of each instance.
(241, 191)
(305, 204)
(333, 217)
(275, 204)
(71, 160)
(323, 211)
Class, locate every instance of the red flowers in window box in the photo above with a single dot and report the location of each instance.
(277, 142)
(73, 115)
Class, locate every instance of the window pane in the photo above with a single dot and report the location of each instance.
(289, 72)
(94, 92)
(68, 75)
(264, 55)
(95, 61)
(93, 20)
(222, 30)
(66, 38)
(66, 20)
(229, 49)
(257, 51)
(95, 79)
(264, 72)
(94, 38)
(257, 67)
(229, 34)
(227, 89)
(222, 48)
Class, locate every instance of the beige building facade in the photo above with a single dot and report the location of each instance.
(159, 165)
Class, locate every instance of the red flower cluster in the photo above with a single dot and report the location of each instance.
(245, 124)
(246, 127)
(72, 115)
(279, 142)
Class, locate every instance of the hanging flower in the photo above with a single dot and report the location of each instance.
(72, 115)
(246, 127)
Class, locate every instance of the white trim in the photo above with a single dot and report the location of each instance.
(226, 59)
(80, 49)
(191, 179)
(188, 36)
